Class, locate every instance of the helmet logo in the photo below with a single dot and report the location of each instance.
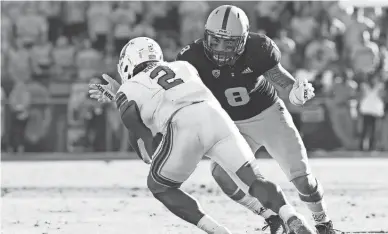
(216, 73)
(151, 47)
(224, 32)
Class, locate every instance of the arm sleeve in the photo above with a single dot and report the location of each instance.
(130, 116)
(269, 54)
(186, 54)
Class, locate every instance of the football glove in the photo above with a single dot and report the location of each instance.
(301, 92)
(104, 93)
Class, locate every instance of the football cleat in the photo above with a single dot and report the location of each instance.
(298, 225)
(275, 225)
(326, 228)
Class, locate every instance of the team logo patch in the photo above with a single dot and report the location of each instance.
(216, 73)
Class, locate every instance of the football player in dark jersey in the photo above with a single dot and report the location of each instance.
(243, 71)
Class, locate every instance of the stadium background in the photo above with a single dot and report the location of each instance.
(51, 51)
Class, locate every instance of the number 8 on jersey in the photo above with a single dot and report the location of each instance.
(237, 96)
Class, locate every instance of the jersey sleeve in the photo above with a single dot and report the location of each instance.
(188, 53)
(269, 54)
(130, 116)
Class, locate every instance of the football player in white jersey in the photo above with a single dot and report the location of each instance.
(170, 98)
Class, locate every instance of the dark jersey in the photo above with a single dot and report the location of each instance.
(241, 89)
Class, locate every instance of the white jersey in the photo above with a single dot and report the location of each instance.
(162, 89)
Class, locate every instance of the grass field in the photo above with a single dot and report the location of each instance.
(96, 197)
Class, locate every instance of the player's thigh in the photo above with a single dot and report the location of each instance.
(284, 143)
(176, 158)
(233, 154)
(253, 130)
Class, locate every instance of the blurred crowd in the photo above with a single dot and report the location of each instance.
(51, 51)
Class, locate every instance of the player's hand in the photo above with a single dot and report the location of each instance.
(301, 92)
(104, 93)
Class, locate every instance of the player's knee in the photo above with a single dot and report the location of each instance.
(228, 186)
(154, 187)
(310, 190)
(249, 173)
(305, 184)
(266, 192)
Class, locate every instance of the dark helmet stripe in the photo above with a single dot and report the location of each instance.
(226, 16)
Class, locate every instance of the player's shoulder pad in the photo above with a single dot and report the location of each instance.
(188, 66)
(181, 63)
(190, 52)
(133, 88)
(264, 49)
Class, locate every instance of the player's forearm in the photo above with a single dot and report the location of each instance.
(281, 79)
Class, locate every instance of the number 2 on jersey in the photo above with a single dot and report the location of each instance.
(237, 96)
(166, 80)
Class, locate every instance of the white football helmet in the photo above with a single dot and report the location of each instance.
(136, 52)
(226, 33)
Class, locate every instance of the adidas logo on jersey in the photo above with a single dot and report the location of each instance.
(247, 70)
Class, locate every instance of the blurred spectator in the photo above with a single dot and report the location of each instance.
(88, 62)
(268, 17)
(193, 17)
(287, 47)
(118, 134)
(373, 13)
(63, 56)
(76, 133)
(383, 144)
(3, 121)
(6, 29)
(30, 26)
(155, 9)
(371, 110)
(336, 33)
(383, 21)
(166, 19)
(74, 19)
(52, 10)
(340, 110)
(365, 55)
(95, 122)
(39, 117)
(171, 49)
(144, 29)
(19, 102)
(338, 11)
(355, 28)
(320, 53)
(42, 60)
(4, 61)
(123, 19)
(303, 25)
(138, 8)
(19, 63)
(111, 59)
(99, 23)
(11, 9)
